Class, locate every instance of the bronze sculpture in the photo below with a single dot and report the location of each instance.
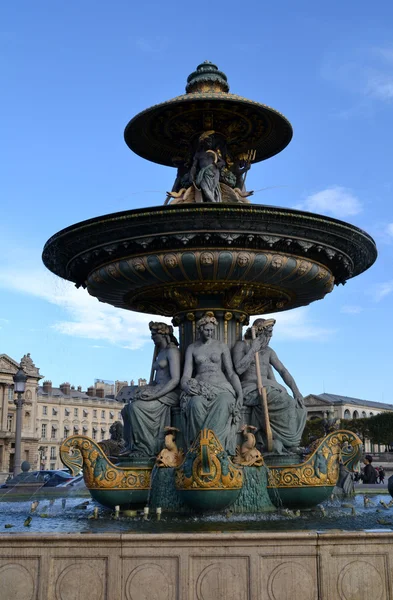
(149, 412)
(287, 415)
(211, 399)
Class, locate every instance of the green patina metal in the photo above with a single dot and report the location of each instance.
(210, 254)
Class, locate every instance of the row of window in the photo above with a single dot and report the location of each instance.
(356, 415)
(95, 434)
(67, 412)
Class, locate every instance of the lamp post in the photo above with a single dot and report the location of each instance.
(20, 379)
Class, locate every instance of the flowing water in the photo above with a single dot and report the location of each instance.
(75, 514)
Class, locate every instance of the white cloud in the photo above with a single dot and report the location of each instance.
(88, 318)
(366, 73)
(336, 201)
(297, 325)
(382, 290)
(389, 229)
(349, 309)
(380, 86)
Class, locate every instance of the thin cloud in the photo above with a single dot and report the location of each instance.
(297, 324)
(87, 318)
(349, 309)
(382, 290)
(335, 200)
(365, 73)
(152, 45)
(389, 229)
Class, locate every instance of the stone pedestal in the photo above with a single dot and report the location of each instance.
(215, 566)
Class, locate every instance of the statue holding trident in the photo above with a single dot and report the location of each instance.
(206, 168)
(279, 418)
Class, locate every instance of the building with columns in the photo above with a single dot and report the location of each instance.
(342, 407)
(50, 414)
(30, 434)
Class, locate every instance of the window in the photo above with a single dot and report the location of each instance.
(102, 434)
(76, 430)
(85, 413)
(66, 432)
(102, 414)
(10, 394)
(43, 430)
(67, 412)
(10, 419)
(347, 414)
(94, 433)
(44, 410)
(53, 433)
(364, 414)
(75, 412)
(355, 414)
(95, 413)
(54, 411)
(111, 415)
(52, 466)
(53, 453)
(85, 430)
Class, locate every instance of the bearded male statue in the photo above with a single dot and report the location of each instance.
(287, 415)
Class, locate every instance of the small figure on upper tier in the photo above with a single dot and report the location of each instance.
(287, 415)
(206, 167)
(211, 399)
(149, 411)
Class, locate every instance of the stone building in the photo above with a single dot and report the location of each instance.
(50, 414)
(30, 434)
(344, 407)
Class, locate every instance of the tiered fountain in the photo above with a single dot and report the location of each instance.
(209, 258)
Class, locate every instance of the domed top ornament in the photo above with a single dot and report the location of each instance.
(207, 78)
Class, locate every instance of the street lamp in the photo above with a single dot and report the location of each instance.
(20, 379)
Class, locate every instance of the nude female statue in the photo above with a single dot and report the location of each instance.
(149, 412)
(287, 415)
(211, 398)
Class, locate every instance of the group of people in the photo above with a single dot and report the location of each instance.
(369, 473)
(212, 389)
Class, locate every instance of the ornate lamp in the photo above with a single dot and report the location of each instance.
(20, 379)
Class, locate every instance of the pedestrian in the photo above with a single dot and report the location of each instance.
(369, 474)
(381, 474)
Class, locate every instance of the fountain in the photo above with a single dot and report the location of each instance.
(213, 430)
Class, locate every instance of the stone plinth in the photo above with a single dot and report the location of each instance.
(214, 566)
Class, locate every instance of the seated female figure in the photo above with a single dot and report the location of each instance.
(211, 398)
(149, 412)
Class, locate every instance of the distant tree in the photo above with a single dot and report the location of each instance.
(358, 426)
(380, 428)
(312, 431)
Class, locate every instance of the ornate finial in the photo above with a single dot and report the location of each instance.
(207, 78)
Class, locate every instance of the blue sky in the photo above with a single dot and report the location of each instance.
(74, 73)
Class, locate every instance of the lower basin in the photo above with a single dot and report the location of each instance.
(53, 515)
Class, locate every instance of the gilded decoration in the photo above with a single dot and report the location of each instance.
(321, 467)
(247, 455)
(98, 471)
(207, 466)
(170, 455)
(169, 282)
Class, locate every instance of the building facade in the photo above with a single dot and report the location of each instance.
(343, 408)
(50, 414)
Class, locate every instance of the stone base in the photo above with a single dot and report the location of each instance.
(215, 566)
